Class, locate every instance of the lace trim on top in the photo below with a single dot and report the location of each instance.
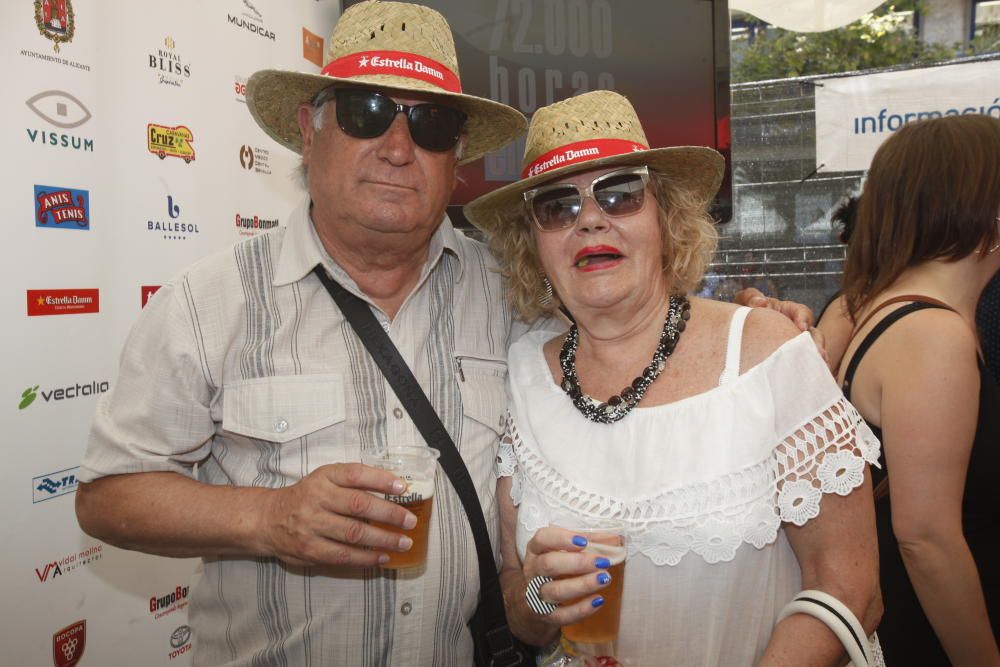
(827, 454)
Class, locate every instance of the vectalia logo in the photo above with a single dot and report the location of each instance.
(95, 387)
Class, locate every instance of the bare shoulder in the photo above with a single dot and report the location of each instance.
(764, 332)
(933, 342)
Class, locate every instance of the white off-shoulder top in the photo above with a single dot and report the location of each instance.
(703, 486)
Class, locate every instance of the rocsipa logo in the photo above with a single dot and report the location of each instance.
(68, 644)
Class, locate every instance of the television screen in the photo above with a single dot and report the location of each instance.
(671, 59)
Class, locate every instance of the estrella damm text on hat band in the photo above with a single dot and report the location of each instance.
(396, 63)
(580, 151)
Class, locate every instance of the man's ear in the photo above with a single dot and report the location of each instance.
(306, 130)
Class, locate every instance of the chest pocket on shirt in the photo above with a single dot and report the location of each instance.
(285, 407)
(482, 380)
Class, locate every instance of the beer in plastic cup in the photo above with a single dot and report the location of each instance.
(601, 627)
(417, 466)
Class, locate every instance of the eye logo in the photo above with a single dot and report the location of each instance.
(59, 108)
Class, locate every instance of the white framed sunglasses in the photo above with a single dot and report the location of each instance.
(618, 193)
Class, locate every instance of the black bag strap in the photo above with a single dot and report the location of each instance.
(397, 372)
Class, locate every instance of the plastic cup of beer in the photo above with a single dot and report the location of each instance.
(600, 628)
(417, 466)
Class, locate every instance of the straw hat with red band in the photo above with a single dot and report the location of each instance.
(598, 129)
(387, 45)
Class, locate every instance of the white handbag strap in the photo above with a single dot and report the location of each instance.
(841, 621)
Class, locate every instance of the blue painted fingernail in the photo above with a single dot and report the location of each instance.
(602, 563)
(603, 578)
(598, 601)
(579, 541)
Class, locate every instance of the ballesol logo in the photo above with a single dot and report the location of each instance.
(172, 230)
(63, 301)
(253, 225)
(252, 21)
(95, 387)
(169, 603)
(68, 644)
(68, 563)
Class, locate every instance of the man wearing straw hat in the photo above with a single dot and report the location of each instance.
(242, 384)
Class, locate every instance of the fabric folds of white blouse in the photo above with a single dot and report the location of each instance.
(705, 475)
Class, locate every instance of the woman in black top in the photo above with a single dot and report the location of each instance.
(924, 246)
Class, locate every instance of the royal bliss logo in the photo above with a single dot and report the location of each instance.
(170, 68)
(50, 570)
(251, 21)
(255, 159)
(61, 208)
(63, 301)
(253, 225)
(53, 484)
(172, 229)
(64, 111)
(163, 605)
(77, 390)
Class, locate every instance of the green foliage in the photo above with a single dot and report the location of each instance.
(881, 38)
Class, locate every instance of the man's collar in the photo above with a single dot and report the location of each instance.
(302, 249)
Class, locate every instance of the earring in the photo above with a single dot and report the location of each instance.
(545, 300)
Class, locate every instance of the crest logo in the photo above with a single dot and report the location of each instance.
(68, 644)
(55, 21)
(163, 141)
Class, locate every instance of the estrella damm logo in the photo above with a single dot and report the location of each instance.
(61, 208)
(164, 141)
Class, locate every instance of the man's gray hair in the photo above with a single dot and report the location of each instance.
(318, 105)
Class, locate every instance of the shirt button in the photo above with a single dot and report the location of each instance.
(397, 413)
(281, 426)
(406, 609)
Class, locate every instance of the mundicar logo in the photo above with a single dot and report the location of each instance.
(95, 387)
(251, 20)
(61, 208)
(55, 21)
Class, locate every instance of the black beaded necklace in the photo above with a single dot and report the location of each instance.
(621, 404)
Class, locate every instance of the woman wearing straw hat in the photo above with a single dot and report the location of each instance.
(730, 459)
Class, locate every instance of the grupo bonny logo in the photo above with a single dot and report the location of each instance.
(77, 390)
(172, 228)
(53, 484)
(64, 111)
(163, 605)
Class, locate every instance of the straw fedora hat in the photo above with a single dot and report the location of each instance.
(596, 129)
(393, 45)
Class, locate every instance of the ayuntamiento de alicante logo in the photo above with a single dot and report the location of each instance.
(55, 20)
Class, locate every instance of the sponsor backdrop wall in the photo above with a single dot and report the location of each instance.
(128, 153)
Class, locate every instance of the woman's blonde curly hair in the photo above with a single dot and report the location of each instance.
(689, 240)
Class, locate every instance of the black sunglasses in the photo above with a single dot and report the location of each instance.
(618, 193)
(366, 114)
